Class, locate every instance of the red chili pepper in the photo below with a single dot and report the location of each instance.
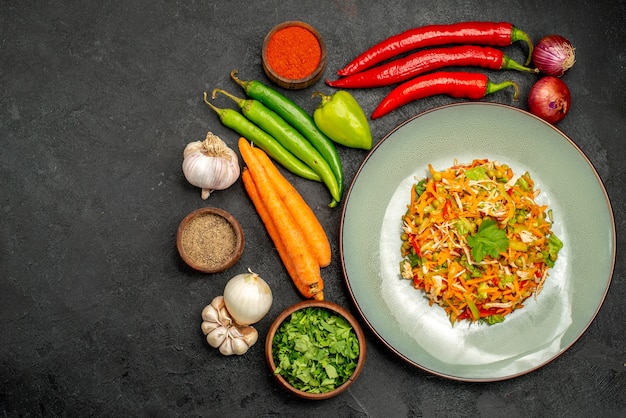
(415, 245)
(481, 33)
(487, 312)
(427, 60)
(467, 313)
(455, 84)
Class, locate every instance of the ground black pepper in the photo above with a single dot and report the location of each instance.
(209, 240)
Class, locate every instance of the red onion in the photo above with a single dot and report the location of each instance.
(553, 55)
(549, 99)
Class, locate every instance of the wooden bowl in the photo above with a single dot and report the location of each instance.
(210, 240)
(292, 83)
(334, 308)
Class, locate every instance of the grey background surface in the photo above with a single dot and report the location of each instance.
(98, 314)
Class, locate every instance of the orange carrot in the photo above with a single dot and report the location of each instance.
(307, 277)
(299, 209)
(250, 187)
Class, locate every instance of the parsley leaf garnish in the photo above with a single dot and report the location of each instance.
(488, 240)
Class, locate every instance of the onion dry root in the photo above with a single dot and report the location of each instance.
(554, 55)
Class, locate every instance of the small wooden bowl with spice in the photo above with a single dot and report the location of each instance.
(294, 55)
(331, 346)
(210, 240)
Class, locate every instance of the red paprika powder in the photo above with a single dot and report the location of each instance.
(293, 52)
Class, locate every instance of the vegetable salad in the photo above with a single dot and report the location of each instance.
(476, 242)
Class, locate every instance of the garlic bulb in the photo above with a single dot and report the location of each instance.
(210, 164)
(223, 333)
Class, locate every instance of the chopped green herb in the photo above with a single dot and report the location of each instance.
(420, 187)
(315, 350)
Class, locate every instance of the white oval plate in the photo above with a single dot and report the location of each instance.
(401, 317)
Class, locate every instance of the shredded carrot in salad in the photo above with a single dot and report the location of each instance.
(476, 242)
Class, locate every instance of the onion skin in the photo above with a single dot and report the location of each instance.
(554, 55)
(248, 298)
(549, 99)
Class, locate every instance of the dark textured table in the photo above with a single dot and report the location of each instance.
(98, 314)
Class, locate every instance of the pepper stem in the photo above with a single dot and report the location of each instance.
(510, 64)
(520, 35)
(494, 87)
(221, 113)
(237, 100)
(217, 110)
(233, 75)
(325, 98)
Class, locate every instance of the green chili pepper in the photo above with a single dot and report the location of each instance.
(341, 118)
(288, 137)
(238, 123)
(297, 117)
(473, 308)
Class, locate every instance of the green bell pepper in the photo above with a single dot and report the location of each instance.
(342, 119)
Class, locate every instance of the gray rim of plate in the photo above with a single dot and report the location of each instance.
(476, 117)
